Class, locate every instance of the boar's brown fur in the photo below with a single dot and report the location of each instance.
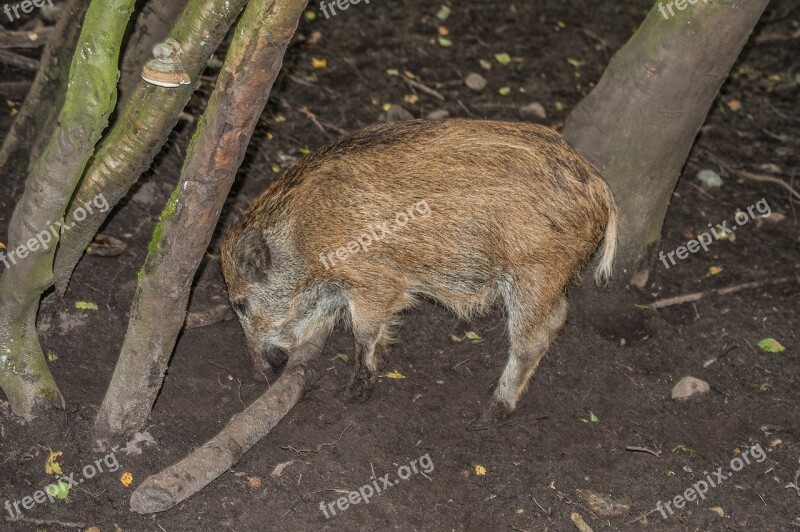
(513, 213)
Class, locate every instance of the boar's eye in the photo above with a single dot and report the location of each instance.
(240, 306)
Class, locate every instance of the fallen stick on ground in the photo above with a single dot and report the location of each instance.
(164, 490)
(25, 39)
(689, 298)
(208, 317)
(580, 523)
(19, 61)
(761, 178)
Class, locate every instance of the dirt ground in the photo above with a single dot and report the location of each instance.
(600, 390)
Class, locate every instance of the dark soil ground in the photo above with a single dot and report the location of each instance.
(597, 393)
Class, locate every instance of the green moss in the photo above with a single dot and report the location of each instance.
(166, 214)
(49, 394)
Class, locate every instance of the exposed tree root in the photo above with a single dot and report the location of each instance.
(695, 296)
(164, 490)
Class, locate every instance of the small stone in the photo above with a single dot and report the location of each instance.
(398, 114)
(773, 217)
(533, 111)
(438, 114)
(475, 82)
(709, 178)
(689, 387)
(486, 65)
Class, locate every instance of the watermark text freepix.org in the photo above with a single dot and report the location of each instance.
(720, 231)
(680, 5)
(699, 489)
(341, 4)
(364, 241)
(26, 6)
(44, 238)
(422, 465)
(64, 483)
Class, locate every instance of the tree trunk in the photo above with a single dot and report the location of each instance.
(35, 120)
(152, 26)
(33, 231)
(143, 127)
(187, 223)
(638, 125)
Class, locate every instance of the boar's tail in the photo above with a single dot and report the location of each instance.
(609, 249)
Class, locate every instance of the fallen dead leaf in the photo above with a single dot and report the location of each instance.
(51, 466)
(278, 471)
(126, 479)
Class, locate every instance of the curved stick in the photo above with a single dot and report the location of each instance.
(164, 490)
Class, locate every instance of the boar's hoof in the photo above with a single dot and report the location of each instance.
(362, 384)
(490, 417)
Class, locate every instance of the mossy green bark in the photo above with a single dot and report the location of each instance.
(90, 99)
(639, 123)
(36, 118)
(144, 126)
(182, 236)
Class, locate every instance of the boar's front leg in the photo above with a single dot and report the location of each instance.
(365, 373)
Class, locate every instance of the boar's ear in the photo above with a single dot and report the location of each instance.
(252, 254)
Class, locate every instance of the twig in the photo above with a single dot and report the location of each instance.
(795, 484)
(462, 362)
(546, 512)
(15, 89)
(768, 38)
(424, 88)
(208, 317)
(25, 39)
(580, 523)
(44, 522)
(311, 116)
(321, 445)
(643, 450)
(696, 296)
(762, 178)
(19, 61)
(642, 516)
(701, 190)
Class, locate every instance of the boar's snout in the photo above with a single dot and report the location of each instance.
(267, 358)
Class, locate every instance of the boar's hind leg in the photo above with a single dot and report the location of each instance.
(530, 337)
(365, 373)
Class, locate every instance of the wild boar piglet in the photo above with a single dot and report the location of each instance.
(468, 213)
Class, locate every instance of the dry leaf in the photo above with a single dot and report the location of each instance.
(51, 466)
(319, 63)
(394, 375)
(278, 471)
(734, 105)
(126, 479)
